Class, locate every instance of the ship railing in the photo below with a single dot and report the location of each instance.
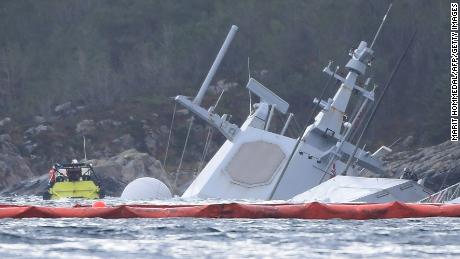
(447, 194)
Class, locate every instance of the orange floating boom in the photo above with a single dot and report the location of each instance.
(312, 210)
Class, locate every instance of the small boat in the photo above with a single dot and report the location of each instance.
(74, 180)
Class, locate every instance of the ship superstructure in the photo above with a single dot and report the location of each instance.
(255, 163)
(258, 164)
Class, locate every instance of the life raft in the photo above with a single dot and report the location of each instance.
(312, 210)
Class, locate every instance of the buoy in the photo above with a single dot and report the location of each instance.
(99, 204)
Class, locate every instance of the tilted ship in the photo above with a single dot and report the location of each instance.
(322, 164)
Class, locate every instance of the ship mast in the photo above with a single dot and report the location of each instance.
(329, 121)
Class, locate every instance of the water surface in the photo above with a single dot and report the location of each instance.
(217, 238)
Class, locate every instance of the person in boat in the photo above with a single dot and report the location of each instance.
(60, 175)
(74, 174)
(409, 175)
(56, 175)
(52, 177)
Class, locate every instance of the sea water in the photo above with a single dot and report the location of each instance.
(223, 238)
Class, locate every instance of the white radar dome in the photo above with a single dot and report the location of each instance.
(146, 188)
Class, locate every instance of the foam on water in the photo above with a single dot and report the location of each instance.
(217, 238)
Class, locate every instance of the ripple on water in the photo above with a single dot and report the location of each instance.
(217, 238)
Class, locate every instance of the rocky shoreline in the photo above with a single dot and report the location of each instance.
(125, 148)
(114, 173)
(439, 164)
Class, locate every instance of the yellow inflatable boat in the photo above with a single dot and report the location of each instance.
(75, 180)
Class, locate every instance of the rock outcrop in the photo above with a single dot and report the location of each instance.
(13, 167)
(439, 164)
(114, 173)
(117, 171)
(4, 122)
(85, 127)
(27, 186)
(63, 108)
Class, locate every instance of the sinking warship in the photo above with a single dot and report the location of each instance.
(322, 164)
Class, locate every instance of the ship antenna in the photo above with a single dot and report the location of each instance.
(249, 78)
(381, 25)
(249, 68)
(84, 146)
